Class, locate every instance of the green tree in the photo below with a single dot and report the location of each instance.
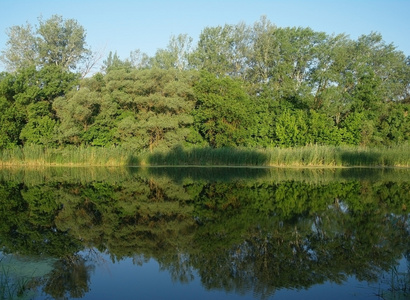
(55, 42)
(26, 98)
(76, 113)
(40, 126)
(325, 76)
(224, 111)
(223, 50)
(164, 100)
(12, 118)
(265, 50)
(113, 62)
(393, 125)
(176, 55)
(21, 50)
(351, 128)
(139, 60)
(291, 129)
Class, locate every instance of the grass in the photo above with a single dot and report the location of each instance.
(340, 156)
(34, 155)
(308, 156)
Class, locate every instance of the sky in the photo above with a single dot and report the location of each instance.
(126, 25)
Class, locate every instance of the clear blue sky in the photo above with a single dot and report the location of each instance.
(125, 25)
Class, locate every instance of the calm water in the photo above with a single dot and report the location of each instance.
(205, 233)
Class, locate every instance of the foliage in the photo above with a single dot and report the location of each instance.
(223, 111)
(55, 42)
(257, 86)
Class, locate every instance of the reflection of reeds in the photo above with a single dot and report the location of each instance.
(313, 155)
(399, 285)
(115, 175)
(11, 287)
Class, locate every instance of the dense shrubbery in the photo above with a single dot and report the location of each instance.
(242, 86)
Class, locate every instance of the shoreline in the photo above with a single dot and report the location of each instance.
(311, 156)
(283, 166)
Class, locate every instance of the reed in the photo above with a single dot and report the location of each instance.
(338, 156)
(308, 156)
(34, 155)
(11, 287)
(208, 157)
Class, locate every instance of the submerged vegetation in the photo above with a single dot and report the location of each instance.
(244, 95)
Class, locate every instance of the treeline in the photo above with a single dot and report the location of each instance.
(242, 85)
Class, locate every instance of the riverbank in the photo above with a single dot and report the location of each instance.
(307, 156)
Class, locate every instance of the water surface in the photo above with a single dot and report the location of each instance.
(205, 233)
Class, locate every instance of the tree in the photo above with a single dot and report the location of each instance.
(291, 128)
(224, 112)
(176, 55)
(40, 126)
(25, 102)
(21, 48)
(55, 42)
(113, 62)
(223, 50)
(139, 60)
(76, 113)
(161, 102)
(264, 52)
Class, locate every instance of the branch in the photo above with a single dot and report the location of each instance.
(92, 61)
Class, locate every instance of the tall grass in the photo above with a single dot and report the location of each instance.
(208, 157)
(35, 155)
(297, 157)
(341, 156)
(314, 155)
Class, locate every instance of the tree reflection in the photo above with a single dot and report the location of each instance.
(238, 235)
(70, 278)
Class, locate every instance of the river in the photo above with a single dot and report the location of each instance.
(204, 233)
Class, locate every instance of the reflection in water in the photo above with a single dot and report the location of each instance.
(243, 231)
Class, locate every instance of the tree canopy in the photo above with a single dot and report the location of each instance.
(240, 86)
(54, 42)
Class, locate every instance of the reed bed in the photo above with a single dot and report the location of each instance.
(34, 155)
(308, 156)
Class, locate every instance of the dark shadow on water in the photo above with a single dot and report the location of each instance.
(209, 174)
(312, 175)
(372, 174)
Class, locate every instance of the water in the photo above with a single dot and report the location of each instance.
(204, 233)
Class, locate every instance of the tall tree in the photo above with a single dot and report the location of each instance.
(56, 41)
(21, 48)
(176, 55)
(113, 62)
(223, 50)
(224, 113)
